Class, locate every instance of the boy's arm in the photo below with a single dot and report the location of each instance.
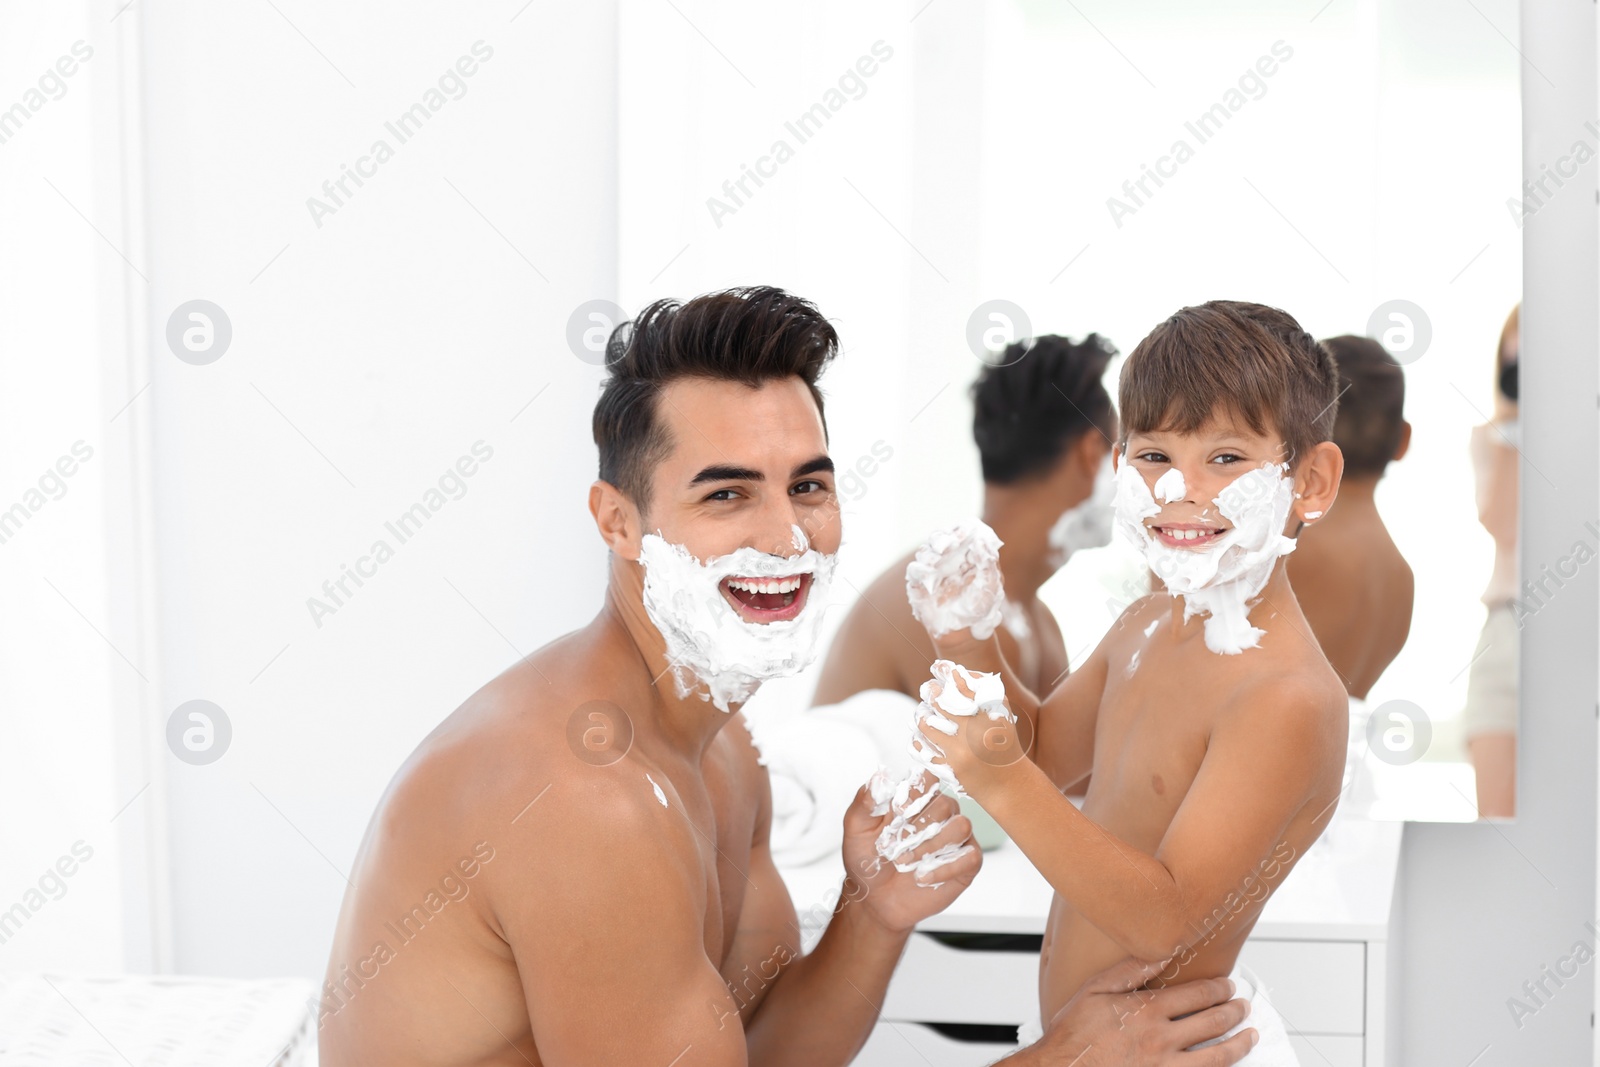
(1262, 762)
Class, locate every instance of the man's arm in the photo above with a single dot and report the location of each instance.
(822, 1006)
(1113, 1021)
(603, 904)
(1261, 765)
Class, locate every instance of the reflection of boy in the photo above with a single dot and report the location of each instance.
(1353, 584)
(1213, 773)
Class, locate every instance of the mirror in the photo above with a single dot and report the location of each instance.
(1356, 164)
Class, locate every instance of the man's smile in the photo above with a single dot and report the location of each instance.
(765, 600)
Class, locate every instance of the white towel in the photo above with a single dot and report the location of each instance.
(1272, 1049)
(818, 758)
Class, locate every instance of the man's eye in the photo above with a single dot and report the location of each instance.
(814, 487)
(722, 494)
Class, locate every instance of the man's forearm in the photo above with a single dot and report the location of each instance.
(820, 1010)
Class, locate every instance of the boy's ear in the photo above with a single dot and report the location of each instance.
(1316, 482)
(618, 521)
(1405, 442)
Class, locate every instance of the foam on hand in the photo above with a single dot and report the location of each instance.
(1221, 580)
(942, 698)
(1086, 524)
(954, 582)
(906, 799)
(710, 648)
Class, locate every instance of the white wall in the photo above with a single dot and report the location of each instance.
(427, 313)
(1488, 906)
(430, 311)
(79, 888)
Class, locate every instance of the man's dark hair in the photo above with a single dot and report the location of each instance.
(1230, 357)
(750, 335)
(1036, 400)
(1372, 400)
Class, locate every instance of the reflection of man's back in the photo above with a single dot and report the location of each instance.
(1352, 582)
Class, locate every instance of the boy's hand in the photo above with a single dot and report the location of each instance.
(954, 584)
(966, 734)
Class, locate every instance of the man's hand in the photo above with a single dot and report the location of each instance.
(896, 899)
(1113, 1022)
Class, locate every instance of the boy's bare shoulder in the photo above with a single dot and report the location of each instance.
(1291, 687)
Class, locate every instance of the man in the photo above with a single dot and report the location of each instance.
(1353, 584)
(1043, 423)
(573, 869)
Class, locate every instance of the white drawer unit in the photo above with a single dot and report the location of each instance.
(941, 982)
(1329, 1050)
(980, 981)
(896, 1044)
(1319, 987)
(1323, 948)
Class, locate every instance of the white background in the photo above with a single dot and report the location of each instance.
(431, 310)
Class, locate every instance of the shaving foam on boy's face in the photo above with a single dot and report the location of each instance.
(735, 621)
(1217, 556)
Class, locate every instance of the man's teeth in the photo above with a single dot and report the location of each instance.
(765, 585)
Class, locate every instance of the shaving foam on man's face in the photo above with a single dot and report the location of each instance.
(1217, 555)
(735, 621)
(738, 599)
(1086, 524)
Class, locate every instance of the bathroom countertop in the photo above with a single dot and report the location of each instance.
(1341, 890)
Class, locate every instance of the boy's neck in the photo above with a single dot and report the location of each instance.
(1276, 598)
(1358, 501)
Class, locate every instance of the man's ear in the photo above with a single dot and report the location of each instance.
(1088, 451)
(618, 521)
(1405, 441)
(1316, 481)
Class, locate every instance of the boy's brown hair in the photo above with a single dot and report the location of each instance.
(1234, 358)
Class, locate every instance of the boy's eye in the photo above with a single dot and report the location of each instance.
(1153, 457)
(1228, 458)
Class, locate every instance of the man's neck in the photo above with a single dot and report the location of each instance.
(1016, 520)
(689, 722)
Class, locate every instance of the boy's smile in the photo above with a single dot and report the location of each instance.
(1188, 471)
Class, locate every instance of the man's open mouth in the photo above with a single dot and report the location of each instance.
(1188, 535)
(765, 600)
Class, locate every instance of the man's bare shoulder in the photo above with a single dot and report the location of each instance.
(555, 727)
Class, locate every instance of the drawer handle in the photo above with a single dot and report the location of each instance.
(975, 1033)
(1033, 943)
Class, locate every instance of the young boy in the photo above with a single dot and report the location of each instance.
(1214, 726)
(1353, 584)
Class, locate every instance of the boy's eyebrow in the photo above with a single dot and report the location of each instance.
(726, 472)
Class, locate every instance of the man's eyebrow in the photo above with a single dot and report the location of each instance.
(723, 472)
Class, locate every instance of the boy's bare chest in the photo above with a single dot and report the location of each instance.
(1150, 739)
